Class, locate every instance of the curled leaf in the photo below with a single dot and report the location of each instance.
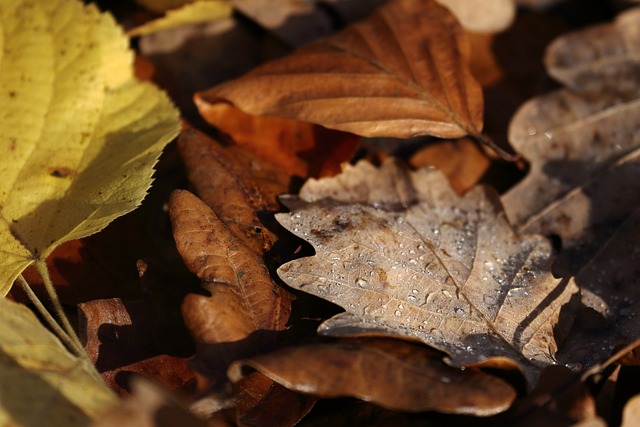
(192, 13)
(394, 374)
(79, 133)
(423, 263)
(402, 72)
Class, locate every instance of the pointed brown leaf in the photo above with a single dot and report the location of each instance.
(419, 261)
(235, 184)
(402, 72)
(245, 308)
(394, 374)
(584, 182)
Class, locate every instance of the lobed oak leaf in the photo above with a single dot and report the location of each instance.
(245, 309)
(41, 383)
(80, 134)
(402, 72)
(405, 256)
(394, 374)
(582, 186)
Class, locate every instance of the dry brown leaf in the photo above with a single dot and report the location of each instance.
(582, 187)
(394, 374)
(402, 72)
(259, 401)
(460, 160)
(236, 184)
(404, 255)
(245, 308)
(599, 58)
(297, 148)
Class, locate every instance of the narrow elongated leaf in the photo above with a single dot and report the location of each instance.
(402, 72)
(394, 374)
(421, 262)
(40, 382)
(79, 134)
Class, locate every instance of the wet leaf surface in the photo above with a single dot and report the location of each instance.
(423, 263)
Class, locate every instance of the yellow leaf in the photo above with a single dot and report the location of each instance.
(40, 382)
(193, 13)
(79, 135)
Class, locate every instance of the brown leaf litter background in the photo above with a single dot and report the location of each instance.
(208, 319)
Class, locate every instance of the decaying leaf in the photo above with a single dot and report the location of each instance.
(245, 308)
(79, 134)
(193, 13)
(404, 255)
(631, 414)
(298, 148)
(236, 184)
(40, 380)
(402, 72)
(394, 374)
(583, 184)
(482, 16)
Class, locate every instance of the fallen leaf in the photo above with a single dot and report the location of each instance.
(80, 134)
(600, 58)
(245, 309)
(41, 383)
(405, 256)
(582, 188)
(236, 184)
(460, 160)
(260, 401)
(482, 16)
(394, 374)
(297, 148)
(161, 6)
(369, 86)
(146, 336)
(191, 13)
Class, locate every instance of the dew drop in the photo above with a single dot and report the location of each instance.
(446, 293)
(401, 245)
(445, 380)
(362, 283)
(548, 134)
(532, 131)
(413, 262)
(488, 265)
(460, 311)
(397, 313)
(412, 298)
(414, 291)
(421, 247)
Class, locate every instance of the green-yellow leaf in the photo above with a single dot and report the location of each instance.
(40, 382)
(79, 134)
(193, 13)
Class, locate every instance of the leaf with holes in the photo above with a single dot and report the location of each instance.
(405, 256)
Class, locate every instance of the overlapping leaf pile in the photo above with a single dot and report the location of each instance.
(283, 286)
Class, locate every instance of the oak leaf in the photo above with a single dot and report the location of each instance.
(245, 309)
(394, 374)
(404, 255)
(79, 133)
(583, 182)
(402, 72)
(41, 383)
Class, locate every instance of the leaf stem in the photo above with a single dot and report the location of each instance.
(78, 348)
(484, 139)
(53, 324)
